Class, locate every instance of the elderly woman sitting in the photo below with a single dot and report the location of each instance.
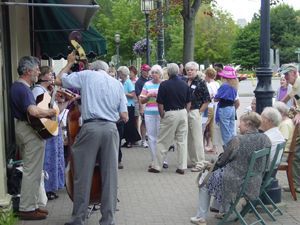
(271, 119)
(231, 168)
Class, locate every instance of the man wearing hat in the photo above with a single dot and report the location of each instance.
(290, 72)
(138, 89)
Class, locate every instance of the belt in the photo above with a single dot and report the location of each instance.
(97, 119)
(177, 109)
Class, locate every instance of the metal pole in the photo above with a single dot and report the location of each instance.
(264, 92)
(147, 39)
(118, 55)
(160, 35)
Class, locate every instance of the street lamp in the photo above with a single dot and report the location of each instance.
(264, 92)
(146, 7)
(117, 41)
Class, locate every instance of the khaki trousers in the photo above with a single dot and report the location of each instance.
(195, 137)
(32, 149)
(172, 127)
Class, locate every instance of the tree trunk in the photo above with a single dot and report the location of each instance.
(188, 14)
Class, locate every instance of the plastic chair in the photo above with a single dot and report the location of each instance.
(288, 166)
(251, 173)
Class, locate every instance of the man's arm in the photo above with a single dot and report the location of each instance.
(203, 107)
(161, 110)
(35, 111)
(71, 60)
(124, 116)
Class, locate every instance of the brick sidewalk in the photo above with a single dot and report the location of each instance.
(166, 198)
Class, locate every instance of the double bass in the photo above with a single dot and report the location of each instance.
(73, 127)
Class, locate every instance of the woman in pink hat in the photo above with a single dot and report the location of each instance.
(226, 97)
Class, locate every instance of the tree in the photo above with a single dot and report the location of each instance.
(285, 31)
(246, 46)
(189, 11)
(215, 34)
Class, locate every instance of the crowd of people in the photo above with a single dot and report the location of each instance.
(190, 111)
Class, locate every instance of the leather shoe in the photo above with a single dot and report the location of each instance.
(180, 171)
(214, 210)
(31, 215)
(152, 170)
(120, 166)
(40, 210)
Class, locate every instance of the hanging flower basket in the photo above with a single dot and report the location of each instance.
(140, 47)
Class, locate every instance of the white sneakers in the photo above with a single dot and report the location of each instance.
(198, 220)
(144, 144)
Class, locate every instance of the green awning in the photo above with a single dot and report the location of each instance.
(52, 26)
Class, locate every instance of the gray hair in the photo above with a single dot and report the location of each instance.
(27, 63)
(173, 69)
(99, 65)
(192, 65)
(273, 115)
(124, 70)
(282, 108)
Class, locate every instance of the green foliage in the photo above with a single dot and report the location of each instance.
(285, 36)
(285, 32)
(7, 218)
(215, 33)
(123, 17)
(246, 46)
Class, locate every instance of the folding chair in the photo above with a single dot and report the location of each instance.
(251, 173)
(267, 180)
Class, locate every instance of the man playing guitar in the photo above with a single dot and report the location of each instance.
(31, 145)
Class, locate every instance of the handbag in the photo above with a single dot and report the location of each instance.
(206, 170)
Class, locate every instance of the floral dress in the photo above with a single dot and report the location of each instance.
(226, 181)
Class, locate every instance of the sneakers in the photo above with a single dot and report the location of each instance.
(198, 220)
(144, 144)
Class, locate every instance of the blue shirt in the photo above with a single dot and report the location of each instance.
(21, 98)
(128, 88)
(101, 95)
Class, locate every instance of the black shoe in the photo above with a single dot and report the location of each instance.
(152, 170)
(172, 148)
(165, 166)
(214, 210)
(180, 171)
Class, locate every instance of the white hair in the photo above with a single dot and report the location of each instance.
(273, 115)
(124, 70)
(192, 65)
(282, 108)
(99, 65)
(157, 68)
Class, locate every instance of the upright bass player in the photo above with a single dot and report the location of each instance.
(102, 104)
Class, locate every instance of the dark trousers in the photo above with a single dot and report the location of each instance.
(120, 126)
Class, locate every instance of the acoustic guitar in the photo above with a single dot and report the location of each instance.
(45, 127)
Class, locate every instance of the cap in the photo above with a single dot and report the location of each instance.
(145, 67)
(285, 68)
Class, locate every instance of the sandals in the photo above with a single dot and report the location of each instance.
(51, 195)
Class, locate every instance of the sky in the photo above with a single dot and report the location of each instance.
(246, 8)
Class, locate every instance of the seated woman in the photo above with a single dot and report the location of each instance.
(231, 168)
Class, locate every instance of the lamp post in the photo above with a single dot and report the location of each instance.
(146, 7)
(264, 92)
(117, 41)
(160, 35)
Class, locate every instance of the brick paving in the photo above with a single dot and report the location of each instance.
(166, 198)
